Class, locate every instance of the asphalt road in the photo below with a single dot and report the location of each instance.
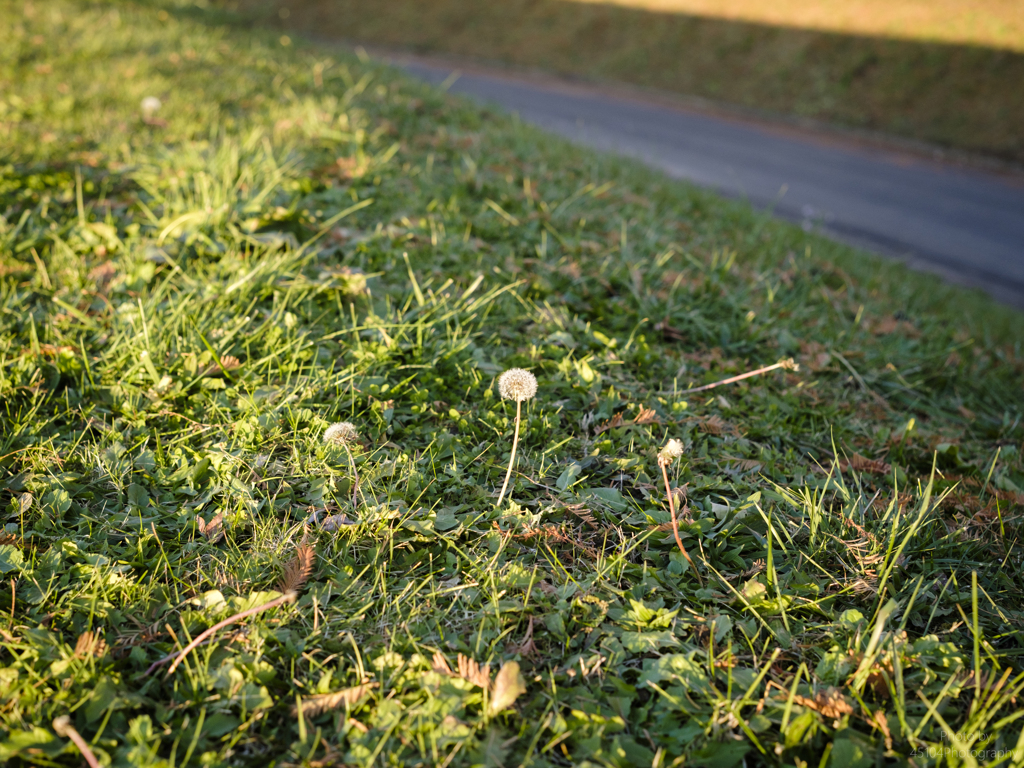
(964, 223)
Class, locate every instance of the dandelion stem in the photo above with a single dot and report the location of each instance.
(355, 481)
(512, 458)
(675, 520)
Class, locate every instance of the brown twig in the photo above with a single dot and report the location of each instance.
(288, 597)
(62, 725)
(788, 364)
(295, 575)
(675, 521)
(160, 662)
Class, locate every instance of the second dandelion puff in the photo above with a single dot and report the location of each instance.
(519, 385)
(343, 434)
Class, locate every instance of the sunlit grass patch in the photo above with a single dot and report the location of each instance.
(192, 294)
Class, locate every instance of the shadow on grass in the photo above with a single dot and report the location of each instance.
(961, 96)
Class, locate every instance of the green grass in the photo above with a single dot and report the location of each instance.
(295, 239)
(963, 95)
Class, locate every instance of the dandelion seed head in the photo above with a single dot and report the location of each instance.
(517, 384)
(673, 450)
(150, 105)
(342, 433)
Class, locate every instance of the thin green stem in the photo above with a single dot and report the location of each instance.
(512, 458)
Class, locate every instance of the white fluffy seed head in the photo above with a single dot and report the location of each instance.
(150, 105)
(342, 433)
(517, 384)
(673, 450)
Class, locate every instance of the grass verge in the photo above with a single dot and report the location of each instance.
(964, 96)
(191, 295)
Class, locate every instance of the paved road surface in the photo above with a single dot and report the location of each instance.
(965, 224)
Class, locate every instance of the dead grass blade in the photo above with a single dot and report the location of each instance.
(316, 705)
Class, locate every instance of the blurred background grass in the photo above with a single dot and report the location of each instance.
(945, 72)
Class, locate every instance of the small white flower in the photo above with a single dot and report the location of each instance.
(342, 433)
(150, 105)
(517, 384)
(673, 450)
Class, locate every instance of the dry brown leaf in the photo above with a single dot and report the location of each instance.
(829, 702)
(335, 522)
(298, 571)
(880, 722)
(89, 644)
(213, 530)
(612, 423)
(440, 664)
(967, 413)
(526, 646)
(860, 463)
(349, 697)
(646, 416)
(472, 671)
(886, 325)
(668, 332)
(746, 464)
(508, 685)
(547, 587)
(227, 363)
(468, 670)
(10, 540)
(713, 425)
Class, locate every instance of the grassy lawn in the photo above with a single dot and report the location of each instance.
(946, 72)
(192, 294)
